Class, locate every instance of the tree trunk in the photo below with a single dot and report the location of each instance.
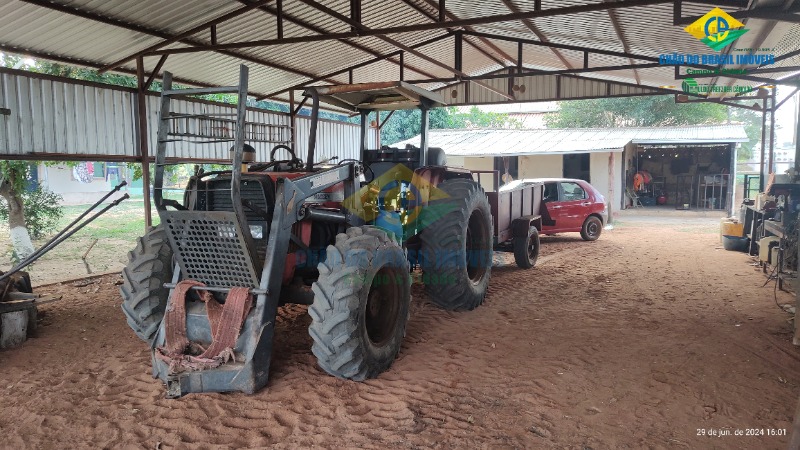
(20, 239)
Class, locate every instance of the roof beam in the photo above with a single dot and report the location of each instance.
(400, 45)
(397, 53)
(779, 14)
(530, 26)
(452, 16)
(153, 32)
(363, 31)
(278, 13)
(565, 46)
(514, 73)
(154, 73)
(186, 34)
(95, 65)
(621, 35)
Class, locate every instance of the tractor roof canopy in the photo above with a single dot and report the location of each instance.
(381, 96)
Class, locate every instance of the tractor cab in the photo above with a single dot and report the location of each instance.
(367, 98)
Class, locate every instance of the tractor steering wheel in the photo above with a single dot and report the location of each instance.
(293, 163)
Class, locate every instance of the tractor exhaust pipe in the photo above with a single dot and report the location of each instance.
(312, 134)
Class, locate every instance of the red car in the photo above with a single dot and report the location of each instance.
(571, 205)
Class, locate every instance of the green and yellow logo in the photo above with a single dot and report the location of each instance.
(717, 29)
(400, 199)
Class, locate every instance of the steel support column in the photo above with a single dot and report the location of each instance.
(796, 340)
(292, 121)
(761, 173)
(144, 153)
(772, 132)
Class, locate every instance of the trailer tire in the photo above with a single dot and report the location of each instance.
(144, 297)
(526, 249)
(361, 304)
(592, 227)
(457, 244)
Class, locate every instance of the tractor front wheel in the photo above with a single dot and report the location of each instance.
(361, 302)
(144, 297)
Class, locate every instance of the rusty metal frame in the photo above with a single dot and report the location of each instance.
(612, 15)
(535, 30)
(382, 32)
(444, 13)
(152, 32)
(280, 16)
(440, 18)
(779, 14)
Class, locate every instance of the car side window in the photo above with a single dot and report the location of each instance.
(572, 191)
(550, 192)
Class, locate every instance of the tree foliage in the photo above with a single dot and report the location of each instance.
(652, 111)
(42, 211)
(648, 111)
(405, 124)
(752, 126)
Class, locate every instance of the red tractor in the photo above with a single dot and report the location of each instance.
(203, 287)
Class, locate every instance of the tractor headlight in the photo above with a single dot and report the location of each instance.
(257, 231)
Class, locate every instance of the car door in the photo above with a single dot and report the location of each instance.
(551, 208)
(573, 205)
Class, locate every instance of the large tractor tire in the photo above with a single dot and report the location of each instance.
(457, 240)
(144, 297)
(361, 302)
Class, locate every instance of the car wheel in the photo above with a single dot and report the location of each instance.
(592, 227)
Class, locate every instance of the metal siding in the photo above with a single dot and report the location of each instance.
(56, 117)
(333, 139)
(475, 142)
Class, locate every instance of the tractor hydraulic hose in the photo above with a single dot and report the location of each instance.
(54, 242)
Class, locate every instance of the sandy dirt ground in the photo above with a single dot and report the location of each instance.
(639, 340)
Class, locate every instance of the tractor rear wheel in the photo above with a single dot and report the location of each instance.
(457, 243)
(361, 301)
(144, 297)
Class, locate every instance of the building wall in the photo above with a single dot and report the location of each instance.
(487, 163)
(59, 179)
(605, 171)
(541, 166)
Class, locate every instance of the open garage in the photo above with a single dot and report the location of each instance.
(362, 293)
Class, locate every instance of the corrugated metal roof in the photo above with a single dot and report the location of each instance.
(34, 27)
(496, 142)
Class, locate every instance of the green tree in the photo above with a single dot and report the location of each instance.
(405, 124)
(648, 111)
(652, 111)
(752, 126)
(13, 177)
